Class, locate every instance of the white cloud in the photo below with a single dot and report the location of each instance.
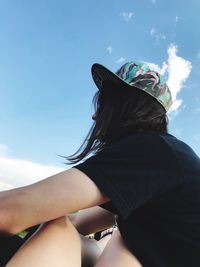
(176, 105)
(178, 70)
(121, 60)
(153, 2)
(109, 49)
(126, 16)
(18, 172)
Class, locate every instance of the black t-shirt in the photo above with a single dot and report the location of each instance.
(153, 183)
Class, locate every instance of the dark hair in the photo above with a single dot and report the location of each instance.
(120, 112)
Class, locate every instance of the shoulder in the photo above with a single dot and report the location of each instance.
(148, 142)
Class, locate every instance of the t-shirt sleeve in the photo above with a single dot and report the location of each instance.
(131, 172)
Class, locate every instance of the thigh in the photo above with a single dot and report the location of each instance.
(116, 254)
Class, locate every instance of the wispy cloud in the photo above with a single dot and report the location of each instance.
(3, 150)
(121, 60)
(153, 31)
(176, 20)
(175, 23)
(109, 49)
(153, 2)
(126, 15)
(156, 34)
(18, 172)
(178, 70)
(163, 36)
(198, 54)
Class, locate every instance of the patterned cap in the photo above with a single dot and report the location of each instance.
(135, 75)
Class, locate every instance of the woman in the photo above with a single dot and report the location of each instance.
(139, 175)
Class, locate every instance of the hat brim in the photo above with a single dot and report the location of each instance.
(101, 75)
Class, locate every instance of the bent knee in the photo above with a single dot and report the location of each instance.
(61, 221)
(61, 224)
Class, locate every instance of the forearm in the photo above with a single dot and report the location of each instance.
(46, 200)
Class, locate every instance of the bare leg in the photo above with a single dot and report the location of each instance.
(56, 244)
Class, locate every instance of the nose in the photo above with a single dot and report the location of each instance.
(94, 116)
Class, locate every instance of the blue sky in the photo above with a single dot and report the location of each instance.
(46, 52)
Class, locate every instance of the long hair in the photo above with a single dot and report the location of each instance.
(120, 112)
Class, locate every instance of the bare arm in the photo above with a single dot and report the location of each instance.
(92, 220)
(60, 194)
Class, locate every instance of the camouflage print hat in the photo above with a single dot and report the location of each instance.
(135, 75)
